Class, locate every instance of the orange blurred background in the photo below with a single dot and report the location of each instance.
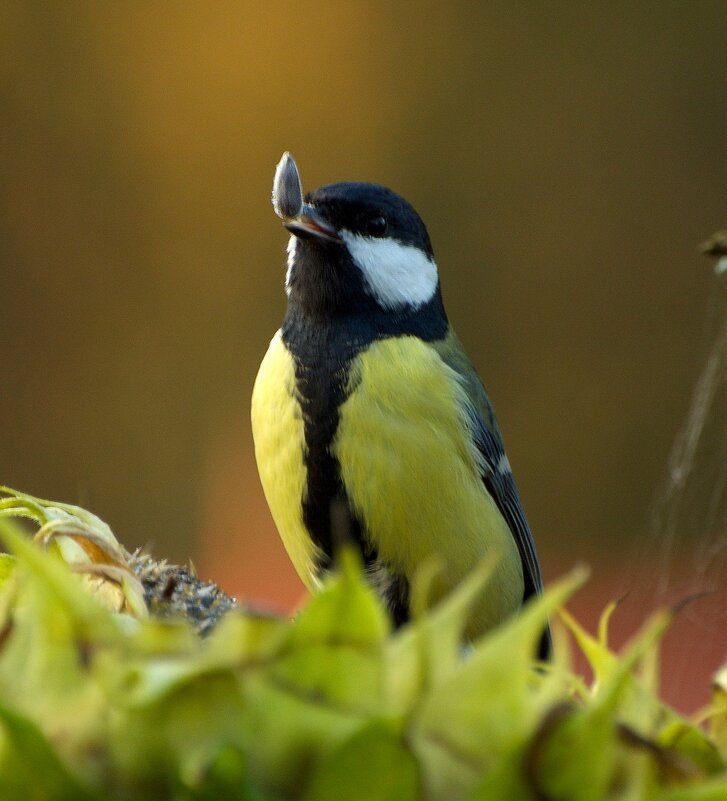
(567, 159)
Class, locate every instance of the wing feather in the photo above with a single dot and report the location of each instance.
(495, 468)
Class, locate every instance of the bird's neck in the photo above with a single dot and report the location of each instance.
(315, 325)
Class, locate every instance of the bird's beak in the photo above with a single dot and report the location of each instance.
(309, 224)
(300, 218)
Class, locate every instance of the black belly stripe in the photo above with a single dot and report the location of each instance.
(321, 373)
(323, 350)
(321, 391)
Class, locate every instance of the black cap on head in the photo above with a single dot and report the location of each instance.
(371, 210)
(359, 251)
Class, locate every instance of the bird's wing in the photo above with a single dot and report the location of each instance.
(494, 465)
(495, 470)
(498, 479)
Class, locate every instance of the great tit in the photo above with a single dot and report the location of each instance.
(367, 407)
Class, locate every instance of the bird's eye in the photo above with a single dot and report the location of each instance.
(376, 226)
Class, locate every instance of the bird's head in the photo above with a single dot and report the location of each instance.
(355, 247)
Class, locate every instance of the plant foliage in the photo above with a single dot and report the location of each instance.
(100, 700)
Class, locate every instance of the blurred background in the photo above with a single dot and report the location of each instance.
(567, 158)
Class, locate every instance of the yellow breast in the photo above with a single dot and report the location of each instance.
(407, 463)
(277, 428)
(410, 471)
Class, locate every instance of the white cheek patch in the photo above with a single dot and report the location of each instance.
(396, 275)
(292, 244)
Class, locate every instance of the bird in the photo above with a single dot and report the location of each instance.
(368, 416)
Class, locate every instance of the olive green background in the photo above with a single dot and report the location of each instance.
(567, 158)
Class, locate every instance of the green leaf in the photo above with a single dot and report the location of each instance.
(335, 651)
(96, 705)
(224, 777)
(30, 769)
(488, 706)
(372, 765)
(693, 743)
(427, 652)
(572, 755)
(7, 567)
(286, 734)
(715, 790)
(59, 585)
